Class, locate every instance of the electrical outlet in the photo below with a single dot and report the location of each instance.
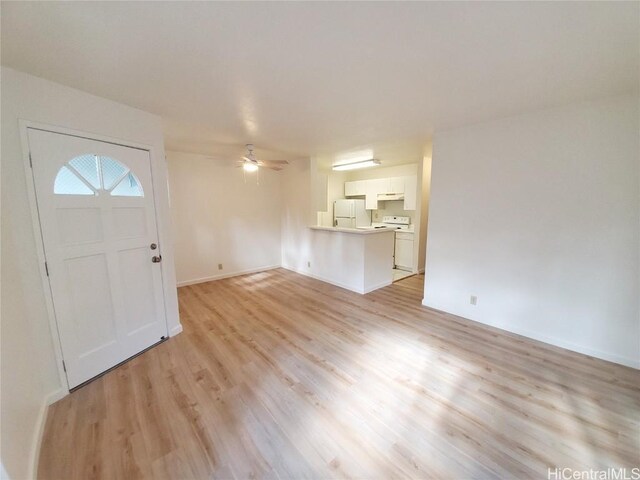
(219, 266)
(309, 264)
(473, 300)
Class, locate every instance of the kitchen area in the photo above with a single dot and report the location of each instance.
(382, 202)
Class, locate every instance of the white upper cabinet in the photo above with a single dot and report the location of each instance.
(410, 192)
(397, 184)
(373, 188)
(379, 185)
(355, 189)
(370, 189)
(383, 185)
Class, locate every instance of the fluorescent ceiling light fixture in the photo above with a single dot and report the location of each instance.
(355, 165)
(249, 167)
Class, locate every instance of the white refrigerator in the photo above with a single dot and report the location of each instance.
(350, 214)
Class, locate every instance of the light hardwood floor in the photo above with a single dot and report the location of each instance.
(277, 375)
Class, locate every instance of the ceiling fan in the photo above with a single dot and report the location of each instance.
(250, 163)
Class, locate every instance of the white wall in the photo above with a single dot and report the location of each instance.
(538, 215)
(425, 195)
(30, 375)
(337, 258)
(297, 216)
(335, 191)
(217, 218)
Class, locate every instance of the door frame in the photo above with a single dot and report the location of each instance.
(24, 125)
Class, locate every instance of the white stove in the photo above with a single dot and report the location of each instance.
(395, 222)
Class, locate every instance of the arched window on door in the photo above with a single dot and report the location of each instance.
(93, 174)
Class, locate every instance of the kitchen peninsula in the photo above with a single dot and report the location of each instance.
(358, 259)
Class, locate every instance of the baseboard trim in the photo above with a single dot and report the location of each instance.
(195, 281)
(325, 280)
(175, 330)
(38, 434)
(376, 287)
(555, 342)
(36, 443)
(53, 397)
(361, 291)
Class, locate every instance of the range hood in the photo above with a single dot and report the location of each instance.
(390, 196)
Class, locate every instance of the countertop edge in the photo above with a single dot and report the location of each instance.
(354, 231)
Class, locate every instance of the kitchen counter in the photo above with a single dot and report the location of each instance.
(360, 260)
(356, 231)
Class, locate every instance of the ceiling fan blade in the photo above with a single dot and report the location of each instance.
(276, 168)
(248, 159)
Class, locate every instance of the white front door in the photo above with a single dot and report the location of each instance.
(98, 222)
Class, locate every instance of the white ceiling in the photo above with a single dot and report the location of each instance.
(308, 78)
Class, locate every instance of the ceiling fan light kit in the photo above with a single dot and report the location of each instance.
(250, 167)
(250, 163)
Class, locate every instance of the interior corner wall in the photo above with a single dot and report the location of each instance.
(29, 370)
(335, 191)
(425, 194)
(297, 216)
(539, 216)
(222, 216)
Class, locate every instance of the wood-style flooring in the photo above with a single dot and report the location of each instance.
(277, 375)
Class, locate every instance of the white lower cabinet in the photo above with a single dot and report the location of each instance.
(404, 251)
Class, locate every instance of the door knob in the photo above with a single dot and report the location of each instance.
(156, 259)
